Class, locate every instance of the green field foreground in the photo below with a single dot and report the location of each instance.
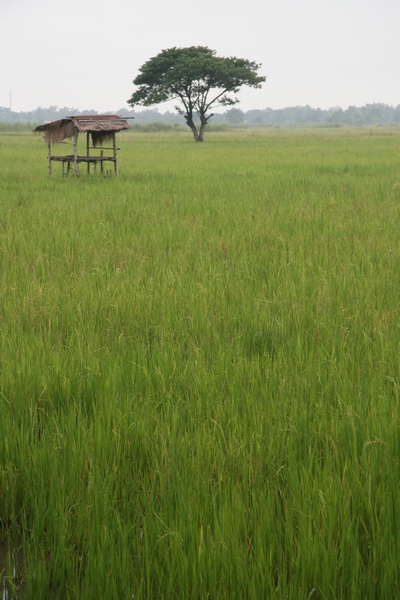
(200, 369)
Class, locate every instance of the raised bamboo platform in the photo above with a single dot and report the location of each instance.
(98, 129)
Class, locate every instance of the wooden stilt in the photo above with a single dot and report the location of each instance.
(76, 152)
(87, 150)
(115, 154)
(49, 158)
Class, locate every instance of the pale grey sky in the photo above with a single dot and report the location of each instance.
(85, 53)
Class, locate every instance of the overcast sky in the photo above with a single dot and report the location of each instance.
(84, 54)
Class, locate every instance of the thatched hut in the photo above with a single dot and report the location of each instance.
(99, 129)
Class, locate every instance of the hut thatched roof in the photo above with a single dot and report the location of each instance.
(100, 126)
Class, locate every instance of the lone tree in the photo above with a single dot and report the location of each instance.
(197, 79)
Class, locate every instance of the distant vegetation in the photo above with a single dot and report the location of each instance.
(368, 115)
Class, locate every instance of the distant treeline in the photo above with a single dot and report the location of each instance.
(370, 114)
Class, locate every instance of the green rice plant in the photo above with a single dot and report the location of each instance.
(199, 372)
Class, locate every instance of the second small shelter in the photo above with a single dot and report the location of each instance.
(99, 129)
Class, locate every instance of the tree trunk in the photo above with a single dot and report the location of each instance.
(190, 123)
(202, 129)
(197, 134)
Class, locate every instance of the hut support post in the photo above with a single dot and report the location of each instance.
(88, 150)
(49, 158)
(115, 154)
(76, 152)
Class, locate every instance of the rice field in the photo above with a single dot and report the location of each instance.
(200, 369)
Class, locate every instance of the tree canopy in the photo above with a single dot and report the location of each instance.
(197, 78)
